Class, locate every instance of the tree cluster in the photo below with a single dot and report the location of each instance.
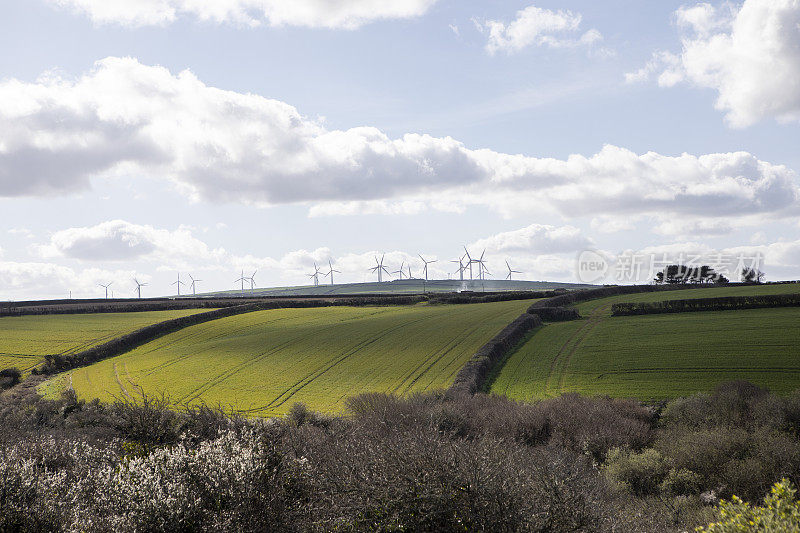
(674, 274)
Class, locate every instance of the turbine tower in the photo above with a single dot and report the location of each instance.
(315, 275)
(252, 280)
(400, 270)
(331, 271)
(139, 287)
(482, 265)
(426, 263)
(379, 268)
(178, 283)
(242, 279)
(106, 287)
(470, 262)
(194, 285)
(461, 267)
(510, 271)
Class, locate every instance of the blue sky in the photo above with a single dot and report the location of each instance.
(512, 102)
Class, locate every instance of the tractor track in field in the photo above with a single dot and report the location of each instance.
(249, 362)
(448, 348)
(199, 333)
(312, 376)
(568, 349)
(700, 370)
(119, 382)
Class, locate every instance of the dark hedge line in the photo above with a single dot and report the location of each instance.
(477, 297)
(724, 303)
(473, 374)
(555, 314)
(583, 295)
(169, 305)
(104, 306)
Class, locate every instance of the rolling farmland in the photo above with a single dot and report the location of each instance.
(25, 340)
(658, 356)
(261, 363)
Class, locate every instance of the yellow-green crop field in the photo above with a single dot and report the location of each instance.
(25, 340)
(658, 356)
(261, 363)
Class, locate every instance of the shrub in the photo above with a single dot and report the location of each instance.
(780, 513)
(639, 473)
(9, 377)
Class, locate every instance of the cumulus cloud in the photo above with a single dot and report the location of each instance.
(535, 239)
(340, 14)
(749, 54)
(534, 26)
(51, 280)
(694, 227)
(118, 240)
(125, 118)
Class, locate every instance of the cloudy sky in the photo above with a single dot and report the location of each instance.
(150, 137)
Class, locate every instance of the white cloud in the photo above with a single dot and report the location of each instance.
(20, 280)
(750, 55)
(694, 227)
(118, 240)
(535, 239)
(345, 14)
(125, 118)
(612, 224)
(534, 26)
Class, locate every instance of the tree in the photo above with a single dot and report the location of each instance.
(752, 275)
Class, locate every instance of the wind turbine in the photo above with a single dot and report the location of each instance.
(252, 280)
(461, 267)
(194, 284)
(106, 287)
(315, 275)
(178, 283)
(426, 263)
(139, 287)
(331, 271)
(482, 266)
(510, 271)
(400, 270)
(242, 279)
(379, 268)
(470, 261)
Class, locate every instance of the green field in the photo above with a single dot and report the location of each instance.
(25, 340)
(262, 362)
(658, 356)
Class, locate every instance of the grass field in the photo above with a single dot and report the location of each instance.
(658, 356)
(25, 340)
(261, 363)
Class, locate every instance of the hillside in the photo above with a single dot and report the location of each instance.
(25, 340)
(658, 356)
(263, 362)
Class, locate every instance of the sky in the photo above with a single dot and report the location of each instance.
(150, 138)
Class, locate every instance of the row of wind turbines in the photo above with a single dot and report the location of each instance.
(465, 264)
(178, 283)
(405, 270)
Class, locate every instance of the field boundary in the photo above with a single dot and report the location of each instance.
(473, 375)
(723, 303)
(55, 363)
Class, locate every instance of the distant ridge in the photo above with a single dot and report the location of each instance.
(405, 286)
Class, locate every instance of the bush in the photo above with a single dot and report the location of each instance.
(9, 377)
(640, 474)
(780, 513)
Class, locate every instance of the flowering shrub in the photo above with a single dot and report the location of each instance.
(779, 514)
